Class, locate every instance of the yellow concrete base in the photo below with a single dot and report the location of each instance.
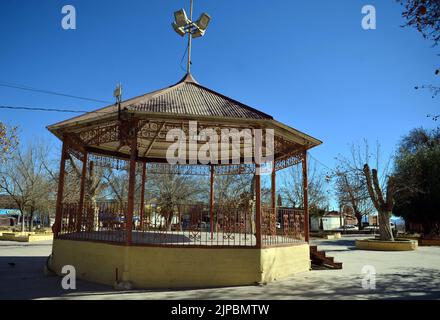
(25, 237)
(160, 267)
(372, 244)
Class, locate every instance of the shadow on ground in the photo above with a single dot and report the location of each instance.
(23, 278)
(414, 284)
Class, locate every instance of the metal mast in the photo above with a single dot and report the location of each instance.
(183, 25)
(188, 68)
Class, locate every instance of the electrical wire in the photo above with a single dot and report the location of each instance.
(28, 88)
(323, 164)
(183, 57)
(333, 172)
(50, 109)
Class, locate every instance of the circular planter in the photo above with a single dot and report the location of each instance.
(378, 245)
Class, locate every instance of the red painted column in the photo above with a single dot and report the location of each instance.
(59, 204)
(131, 188)
(144, 177)
(211, 203)
(81, 192)
(273, 190)
(306, 197)
(258, 205)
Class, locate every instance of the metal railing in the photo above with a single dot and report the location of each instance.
(282, 226)
(181, 225)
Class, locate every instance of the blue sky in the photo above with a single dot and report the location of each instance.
(307, 63)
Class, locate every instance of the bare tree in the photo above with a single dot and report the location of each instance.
(8, 141)
(374, 181)
(172, 190)
(24, 178)
(350, 185)
(234, 188)
(424, 15)
(292, 190)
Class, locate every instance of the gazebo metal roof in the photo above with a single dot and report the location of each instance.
(172, 107)
(187, 97)
(190, 98)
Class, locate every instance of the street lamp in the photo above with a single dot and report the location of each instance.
(183, 25)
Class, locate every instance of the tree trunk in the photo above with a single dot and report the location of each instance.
(22, 221)
(31, 219)
(359, 219)
(385, 232)
(169, 220)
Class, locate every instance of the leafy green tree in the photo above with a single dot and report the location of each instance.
(417, 172)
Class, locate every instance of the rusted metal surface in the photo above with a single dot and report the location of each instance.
(186, 224)
(273, 189)
(306, 196)
(131, 187)
(144, 177)
(282, 226)
(258, 217)
(182, 225)
(82, 187)
(60, 194)
(291, 159)
(178, 169)
(211, 201)
(193, 99)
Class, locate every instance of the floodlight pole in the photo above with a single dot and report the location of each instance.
(190, 35)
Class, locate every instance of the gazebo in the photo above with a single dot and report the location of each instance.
(195, 245)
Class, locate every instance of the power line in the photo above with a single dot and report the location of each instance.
(324, 165)
(49, 109)
(334, 172)
(28, 88)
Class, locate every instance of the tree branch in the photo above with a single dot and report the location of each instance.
(367, 173)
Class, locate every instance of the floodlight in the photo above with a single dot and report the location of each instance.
(179, 30)
(183, 25)
(181, 18)
(198, 33)
(203, 21)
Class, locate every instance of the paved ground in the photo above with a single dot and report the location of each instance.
(400, 275)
